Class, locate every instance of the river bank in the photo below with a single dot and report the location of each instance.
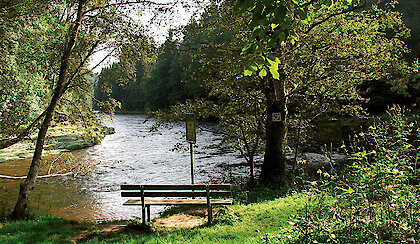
(61, 138)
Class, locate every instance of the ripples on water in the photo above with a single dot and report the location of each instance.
(133, 155)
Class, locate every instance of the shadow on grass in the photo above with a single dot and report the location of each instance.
(40, 229)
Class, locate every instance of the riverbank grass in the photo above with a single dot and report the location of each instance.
(236, 224)
(60, 138)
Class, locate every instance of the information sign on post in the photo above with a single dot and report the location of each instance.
(191, 138)
(276, 117)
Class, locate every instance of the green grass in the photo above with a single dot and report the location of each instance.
(41, 229)
(238, 224)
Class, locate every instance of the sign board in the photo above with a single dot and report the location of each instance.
(276, 117)
(190, 121)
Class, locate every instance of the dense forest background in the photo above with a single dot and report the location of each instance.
(173, 73)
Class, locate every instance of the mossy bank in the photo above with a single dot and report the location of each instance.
(60, 138)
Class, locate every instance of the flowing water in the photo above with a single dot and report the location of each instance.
(133, 155)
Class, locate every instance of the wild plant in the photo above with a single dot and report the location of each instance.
(375, 199)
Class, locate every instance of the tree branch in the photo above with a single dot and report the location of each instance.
(336, 14)
(127, 3)
(9, 142)
(91, 51)
(103, 60)
(8, 177)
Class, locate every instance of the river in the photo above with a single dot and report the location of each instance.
(133, 155)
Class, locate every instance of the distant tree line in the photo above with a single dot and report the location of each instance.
(154, 85)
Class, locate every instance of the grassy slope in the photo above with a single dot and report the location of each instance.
(43, 229)
(238, 225)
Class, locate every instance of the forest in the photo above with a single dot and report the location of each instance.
(277, 77)
(172, 73)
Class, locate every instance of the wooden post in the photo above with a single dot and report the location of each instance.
(192, 163)
(143, 207)
(209, 207)
(191, 138)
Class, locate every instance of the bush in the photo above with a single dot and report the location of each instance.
(376, 198)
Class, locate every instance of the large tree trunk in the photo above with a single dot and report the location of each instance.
(274, 166)
(27, 186)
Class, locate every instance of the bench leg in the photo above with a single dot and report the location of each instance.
(143, 214)
(148, 213)
(210, 213)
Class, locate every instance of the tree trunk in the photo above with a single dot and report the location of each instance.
(252, 169)
(274, 166)
(27, 186)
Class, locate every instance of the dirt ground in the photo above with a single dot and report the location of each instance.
(188, 219)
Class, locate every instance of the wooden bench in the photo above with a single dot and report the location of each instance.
(204, 195)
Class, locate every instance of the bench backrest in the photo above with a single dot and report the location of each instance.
(211, 190)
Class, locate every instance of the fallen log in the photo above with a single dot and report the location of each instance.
(8, 177)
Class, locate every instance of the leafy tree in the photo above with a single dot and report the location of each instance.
(25, 66)
(85, 27)
(309, 67)
(212, 45)
(319, 51)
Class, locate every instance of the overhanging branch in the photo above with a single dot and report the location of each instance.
(336, 14)
(5, 143)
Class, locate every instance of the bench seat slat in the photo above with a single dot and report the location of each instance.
(177, 187)
(179, 202)
(177, 194)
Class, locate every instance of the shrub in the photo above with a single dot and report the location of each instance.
(376, 198)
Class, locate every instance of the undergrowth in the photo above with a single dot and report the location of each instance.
(375, 198)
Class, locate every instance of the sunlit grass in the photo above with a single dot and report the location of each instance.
(238, 224)
(42, 229)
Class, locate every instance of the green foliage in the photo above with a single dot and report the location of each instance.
(165, 86)
(212, 46)
(150, 84)
(376, 198)
(32, 39)
(26, 65)
(317, 54)
(271, 24)
(40, 229)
